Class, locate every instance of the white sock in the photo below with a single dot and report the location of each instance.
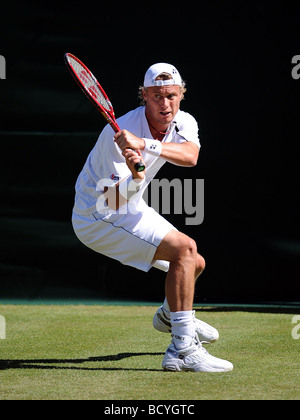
(183, 328)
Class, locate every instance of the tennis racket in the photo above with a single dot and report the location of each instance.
(95, 93)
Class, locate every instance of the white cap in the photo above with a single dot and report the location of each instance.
(156, 70)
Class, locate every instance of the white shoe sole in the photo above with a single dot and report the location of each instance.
(193, 359)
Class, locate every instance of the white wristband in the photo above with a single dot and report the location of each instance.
(153, 147)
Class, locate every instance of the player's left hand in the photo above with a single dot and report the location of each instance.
(132, 157)
(127, 140)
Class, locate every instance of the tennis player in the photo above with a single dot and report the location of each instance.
(111, 217)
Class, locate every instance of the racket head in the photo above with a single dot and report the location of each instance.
(95, 93)
(91, 88)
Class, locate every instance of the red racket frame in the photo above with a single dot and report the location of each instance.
(109, 115)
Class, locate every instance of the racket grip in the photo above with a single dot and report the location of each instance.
(139, 166)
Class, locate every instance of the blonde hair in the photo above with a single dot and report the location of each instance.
(162, 76)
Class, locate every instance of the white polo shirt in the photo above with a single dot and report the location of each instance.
(105, 165)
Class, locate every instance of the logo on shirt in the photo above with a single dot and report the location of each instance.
(115, 177)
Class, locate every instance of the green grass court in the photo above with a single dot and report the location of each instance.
(78, 352)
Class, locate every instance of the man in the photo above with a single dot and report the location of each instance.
(111, 217)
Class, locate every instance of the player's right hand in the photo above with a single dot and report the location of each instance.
(132, 157)
(125, 140)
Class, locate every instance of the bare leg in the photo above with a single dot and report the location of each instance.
(185, 265)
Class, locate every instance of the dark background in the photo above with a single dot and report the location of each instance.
(237, 60)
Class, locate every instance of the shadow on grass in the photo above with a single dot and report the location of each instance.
(292, 309)
(53, 363)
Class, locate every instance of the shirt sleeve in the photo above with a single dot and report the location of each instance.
(187, 129)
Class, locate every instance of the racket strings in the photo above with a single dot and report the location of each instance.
(89, 83)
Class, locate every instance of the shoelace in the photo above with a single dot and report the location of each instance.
(199, 344)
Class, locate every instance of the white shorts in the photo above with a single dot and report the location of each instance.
(130, 239)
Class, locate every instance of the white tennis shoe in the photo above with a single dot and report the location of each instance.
(193, 358)
(204, 331)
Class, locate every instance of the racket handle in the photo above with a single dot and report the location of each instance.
(139, 167)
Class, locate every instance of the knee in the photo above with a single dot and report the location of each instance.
(200, 266)
(177, 247)
(187, 247)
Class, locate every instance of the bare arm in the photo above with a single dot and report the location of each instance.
(181, 154)
(114, 198)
